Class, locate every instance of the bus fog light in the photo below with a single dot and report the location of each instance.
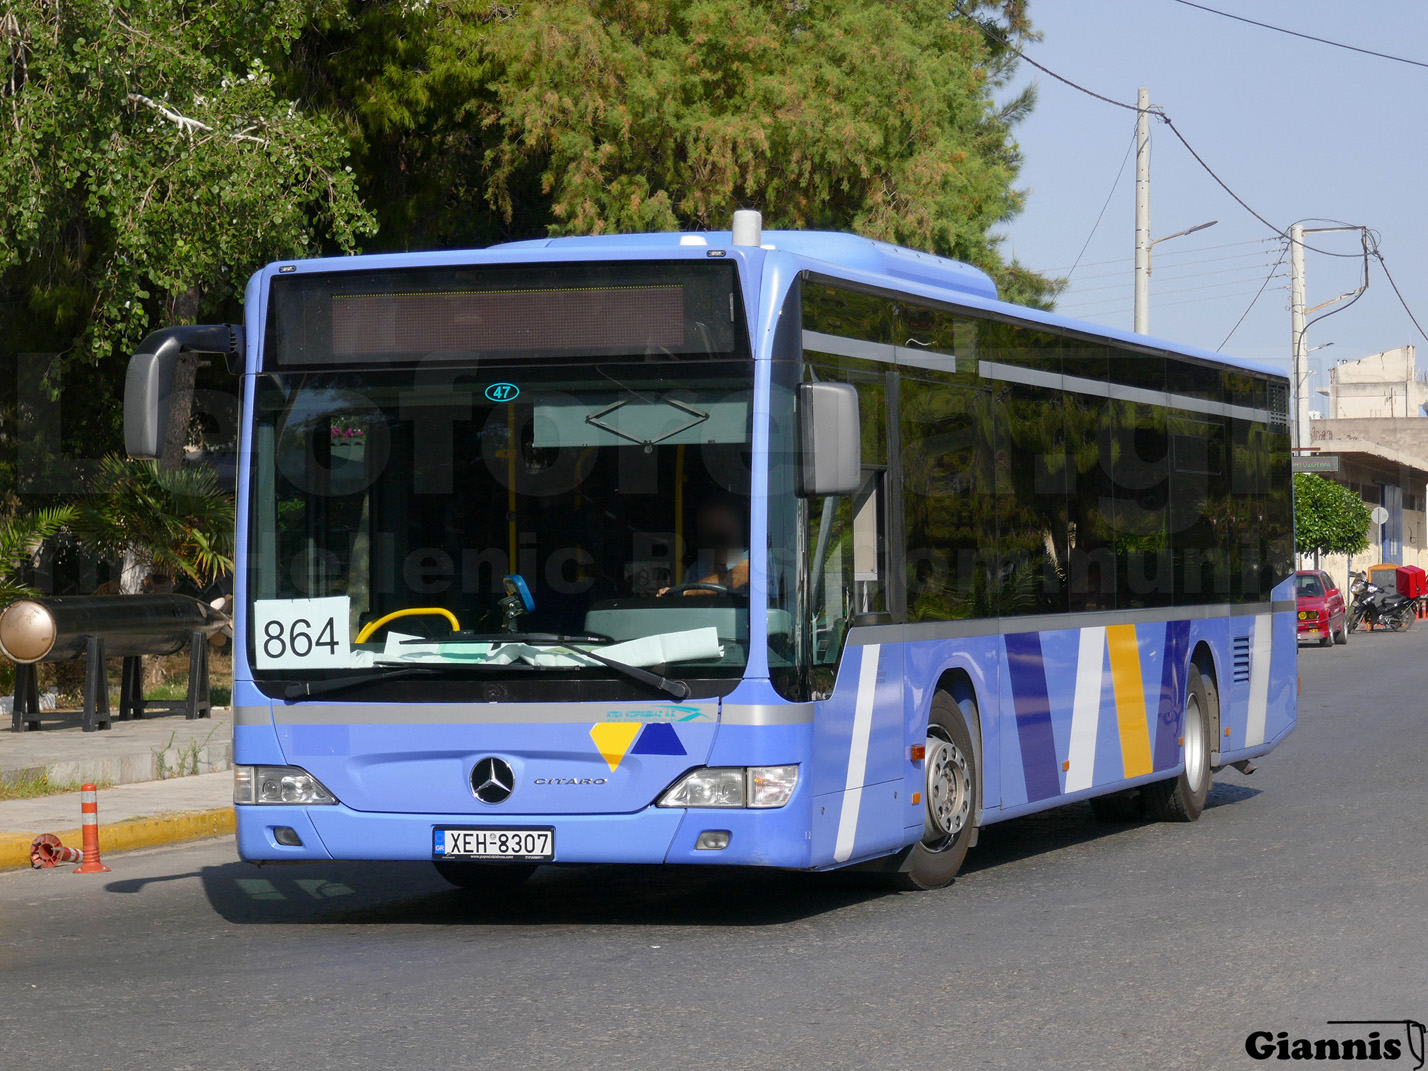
(713, 787)
(771, 786)
(278, 785)
(287, 836)
(712, 840)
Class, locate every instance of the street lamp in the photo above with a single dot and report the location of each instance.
(1142, 278)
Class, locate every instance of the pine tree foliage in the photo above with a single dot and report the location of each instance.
(476, 121)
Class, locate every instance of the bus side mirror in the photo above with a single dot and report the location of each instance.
(831, 438)
(147, 388)
(149, 381)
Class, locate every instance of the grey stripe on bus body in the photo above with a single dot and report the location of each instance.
(878, 351)
(472, 713)
(915, 631)
(767, 713)
(1036, 377)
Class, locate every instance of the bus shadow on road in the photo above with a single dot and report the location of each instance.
(351, 893)
(1064, 827)
(366, 893)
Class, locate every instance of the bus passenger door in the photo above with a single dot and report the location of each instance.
(859, 792)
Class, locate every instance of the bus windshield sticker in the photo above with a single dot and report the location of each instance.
(302, 633)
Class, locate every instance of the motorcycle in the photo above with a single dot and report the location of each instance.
(1378, 607)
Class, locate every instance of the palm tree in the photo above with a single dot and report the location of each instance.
(20, 539)
(172, 521)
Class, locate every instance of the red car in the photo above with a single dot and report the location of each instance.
(1323, 615)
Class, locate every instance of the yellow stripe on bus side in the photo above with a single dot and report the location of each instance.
(1130, 699)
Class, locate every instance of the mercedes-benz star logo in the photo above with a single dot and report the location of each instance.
(492, 780)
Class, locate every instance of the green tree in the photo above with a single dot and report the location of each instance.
(148, 164)
(175, 522)
(1328, 517)
(473, 121)
(20, 539)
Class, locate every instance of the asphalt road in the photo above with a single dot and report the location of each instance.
(1299, 897)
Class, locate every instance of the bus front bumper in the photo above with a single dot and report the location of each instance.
(773, 837)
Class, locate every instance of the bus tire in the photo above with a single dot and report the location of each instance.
(485, 877)
(1183, 798)
(950, 788)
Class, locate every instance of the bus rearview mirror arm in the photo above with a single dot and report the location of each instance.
(149, 381)
(831, 440)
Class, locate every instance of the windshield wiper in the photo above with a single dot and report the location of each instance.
(299, 689)
(675, 688)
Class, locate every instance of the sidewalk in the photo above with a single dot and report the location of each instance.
(151, 749)
(130, 816)
(169, 778)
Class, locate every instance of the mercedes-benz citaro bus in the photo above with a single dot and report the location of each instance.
(767, 549)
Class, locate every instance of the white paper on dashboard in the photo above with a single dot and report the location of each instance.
(646, 651)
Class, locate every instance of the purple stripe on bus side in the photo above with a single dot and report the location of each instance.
(1033, 715)
(1172, 695)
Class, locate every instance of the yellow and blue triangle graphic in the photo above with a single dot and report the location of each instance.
(614, 740)
(659, 738)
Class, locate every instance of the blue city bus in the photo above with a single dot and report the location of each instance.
(766, 549)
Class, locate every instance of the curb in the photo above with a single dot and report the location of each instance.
(125, 836)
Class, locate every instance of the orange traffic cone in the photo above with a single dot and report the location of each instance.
(89, 818)
(46, 851)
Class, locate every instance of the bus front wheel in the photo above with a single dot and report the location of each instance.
(949, 796)
(1182, 799)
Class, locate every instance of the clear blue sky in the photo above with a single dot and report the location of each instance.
(1296, 128)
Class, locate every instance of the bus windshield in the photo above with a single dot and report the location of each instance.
(390, 505)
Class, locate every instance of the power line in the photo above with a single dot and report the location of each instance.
(1102, 214)
(1178, 278)
(1172, 253)
(1234, 285)
(1180, 264)
(1305, 36)
(1257, 294)
(1160, 114)
(1378, 255)
(1127, 310)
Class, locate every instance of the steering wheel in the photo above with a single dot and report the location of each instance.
(699, 585)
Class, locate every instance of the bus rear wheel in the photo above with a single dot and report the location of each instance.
(949, 798)
(1182, 799)
(485, 877)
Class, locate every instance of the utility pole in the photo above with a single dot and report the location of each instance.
(1300, 351)
(1298, 314)
(1142, 212)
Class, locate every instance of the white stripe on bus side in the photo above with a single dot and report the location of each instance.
(857, 754)
(1259, 678)
(1086, 709)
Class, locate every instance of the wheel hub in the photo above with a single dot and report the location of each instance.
(1194, 744)
(949, 797)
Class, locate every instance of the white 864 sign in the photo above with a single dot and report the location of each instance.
(301, 633)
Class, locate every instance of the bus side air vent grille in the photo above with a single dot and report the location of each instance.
(1242, 659)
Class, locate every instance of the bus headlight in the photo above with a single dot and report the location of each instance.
(733, 786)
(278, 784)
